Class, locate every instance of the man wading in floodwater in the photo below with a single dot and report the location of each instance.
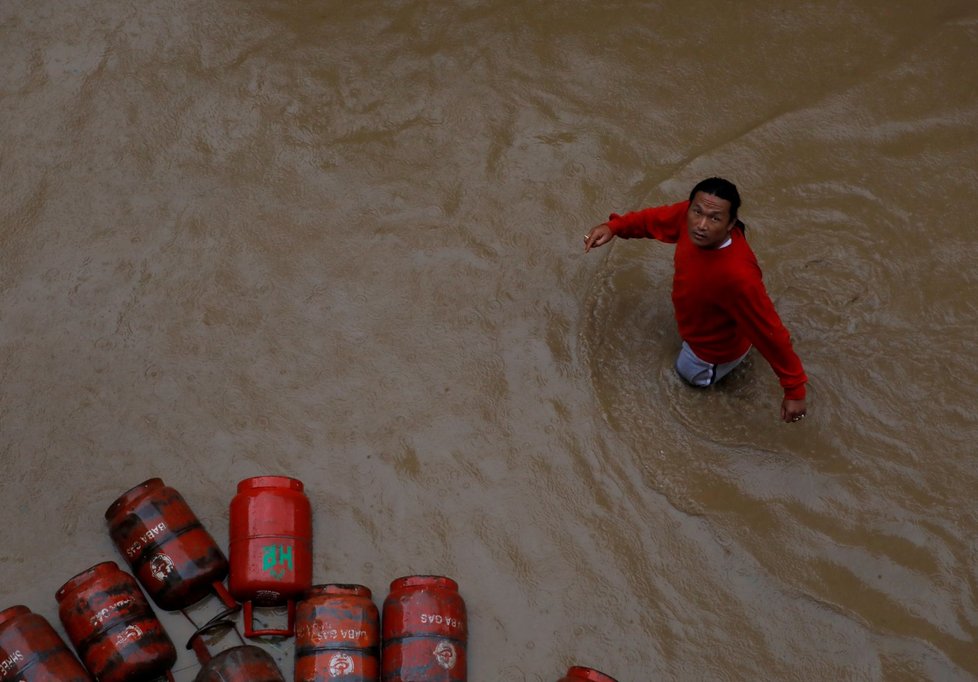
(722, 307)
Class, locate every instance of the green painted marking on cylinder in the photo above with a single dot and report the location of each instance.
(274, 556)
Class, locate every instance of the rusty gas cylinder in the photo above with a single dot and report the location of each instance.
(113, 627)
(424, 631)
(578, 673)
(32, 651)
(270, 547)
(337, 635)
(175, 560)
(246, 663)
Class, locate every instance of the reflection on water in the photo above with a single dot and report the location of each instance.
(342, 242)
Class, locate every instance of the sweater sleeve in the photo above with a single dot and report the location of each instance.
(660, 222)
(756, 316)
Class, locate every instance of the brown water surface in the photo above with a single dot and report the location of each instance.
(341, 241)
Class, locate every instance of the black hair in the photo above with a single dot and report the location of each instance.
(722, 189)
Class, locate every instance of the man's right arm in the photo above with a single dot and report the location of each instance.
(598, 236)
(663, 223)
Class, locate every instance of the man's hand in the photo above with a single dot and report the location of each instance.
(598, 236)
(792, 410)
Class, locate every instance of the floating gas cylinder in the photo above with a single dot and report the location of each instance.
(32, 651)
(270, 547)
(245, 663)
(171, 554)
(337, 635)
(580, 674)
(424, 631)
(113, 627)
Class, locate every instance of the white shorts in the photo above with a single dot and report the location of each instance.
(699, 372)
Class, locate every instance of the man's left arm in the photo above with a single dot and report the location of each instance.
(760, 322)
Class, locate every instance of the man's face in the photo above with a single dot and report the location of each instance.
(708, 220)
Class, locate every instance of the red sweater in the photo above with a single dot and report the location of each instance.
(722, 307)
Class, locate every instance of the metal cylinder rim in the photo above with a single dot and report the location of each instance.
(429, 581)
(133, 494)
(77, 580)
(338, 590)
(256, 482)
(11, 612)
(588, 674)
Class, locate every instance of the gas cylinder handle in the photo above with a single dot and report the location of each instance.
(225, 596)
(250, 628)
(222, 616)
(217, 622)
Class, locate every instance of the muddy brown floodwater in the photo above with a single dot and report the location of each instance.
(341, 241)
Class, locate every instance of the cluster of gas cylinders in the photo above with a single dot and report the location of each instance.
(337, 627)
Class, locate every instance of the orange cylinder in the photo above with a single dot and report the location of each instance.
(245, 663)
(32, 651)
(113, 627)
(270, 547)
(337, 635)
(424, 631)
(581, 674)
(175, 560)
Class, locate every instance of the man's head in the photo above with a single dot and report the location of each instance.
(712, 213)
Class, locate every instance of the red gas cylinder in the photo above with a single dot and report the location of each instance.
(245, 663)
(337, 634)
(113, 627)
(424, 629)
(580, 674)
(270, 547)
(175, 559)
(31, 650)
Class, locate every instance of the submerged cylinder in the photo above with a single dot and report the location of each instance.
(171, 554)
(270, 547)
(581, 674)
(337, 635)
(424, 631)
(113, 627)
(245, 663)
(32, 651)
